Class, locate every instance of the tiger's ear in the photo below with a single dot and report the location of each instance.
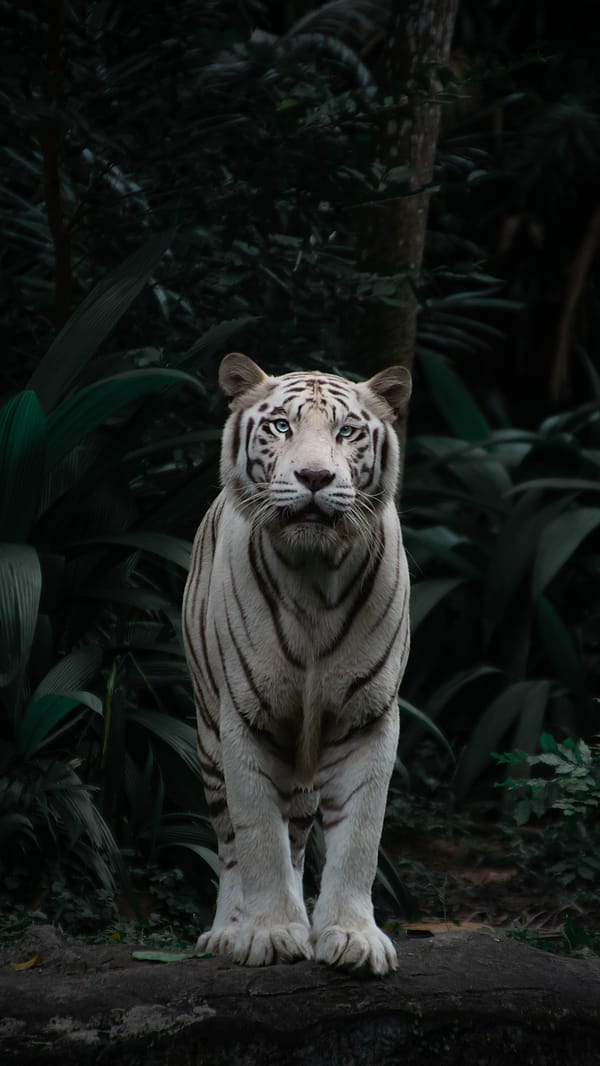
(394, 385)
(238, 374)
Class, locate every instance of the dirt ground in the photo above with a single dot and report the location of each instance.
(465, 880)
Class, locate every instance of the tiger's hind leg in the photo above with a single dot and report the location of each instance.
(303, 808)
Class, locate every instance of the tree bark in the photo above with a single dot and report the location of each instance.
(391, 234)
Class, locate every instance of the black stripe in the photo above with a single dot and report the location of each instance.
(216, 807)
(272, 603)
(357, 731)
(237, 427)
(375, 471)
(249, 428)
(204, 712)
(332, 805)
(193, 587)
(385, 447)
(262, 702)
(302, 821)
(211, 677)
(238, 602)
(283, 795)
(392, 596)
(363, 594)
(223, 667)
(351, 585)
(360, 682)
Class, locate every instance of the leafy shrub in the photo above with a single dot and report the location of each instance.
(570, 849)
(573, 788)
(90, 763)
(501, 534)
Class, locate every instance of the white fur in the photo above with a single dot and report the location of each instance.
(282, 678)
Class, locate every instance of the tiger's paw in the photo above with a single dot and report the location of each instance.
(356, 949)
(258, 945)
(262, 945)
(217, 941)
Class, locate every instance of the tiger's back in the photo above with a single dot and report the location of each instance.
(296, 632)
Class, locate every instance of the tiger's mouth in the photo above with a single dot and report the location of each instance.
(308, 516)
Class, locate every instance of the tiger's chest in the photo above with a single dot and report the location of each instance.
(297, 639)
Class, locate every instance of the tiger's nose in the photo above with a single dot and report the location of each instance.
(314, 479)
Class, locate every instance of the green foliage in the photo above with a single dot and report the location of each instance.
(573, 940)
(503, 552)
(572, 789)
(86, 601)
(162, 201)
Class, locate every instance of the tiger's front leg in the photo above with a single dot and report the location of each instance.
(273, 925)
(353, 777)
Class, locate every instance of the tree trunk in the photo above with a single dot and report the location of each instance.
(391, 234)
(462, 999)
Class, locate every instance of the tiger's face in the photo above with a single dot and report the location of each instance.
(311, 457)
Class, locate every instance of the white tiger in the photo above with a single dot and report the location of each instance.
(296, 630)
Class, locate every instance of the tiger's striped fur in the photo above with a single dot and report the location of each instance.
(296, 631)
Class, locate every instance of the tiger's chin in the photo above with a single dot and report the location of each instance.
(312, 532)
(310, 538)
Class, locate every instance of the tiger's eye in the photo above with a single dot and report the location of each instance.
(281, 425)
(345, 432)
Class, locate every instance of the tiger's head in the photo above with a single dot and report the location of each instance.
(311, 457)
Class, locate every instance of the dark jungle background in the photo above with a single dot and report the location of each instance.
(180, 179)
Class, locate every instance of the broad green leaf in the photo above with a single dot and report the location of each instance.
(388, 876)
(88, 408)
(77, 668)
(446, 692)
(180, 736)
(425, 595)
(440, 541)
(485, 738)
(189, 502)
(93, 320)
(185, 440)
(177, 829)
(214, 338)
(572, 484)
(484, 477)
(514, 549)
(83, 468)
(559, 541)
(144, 599)
(454, 401)
(209, 857)
(39, 720)
(20, 590)
(437, 703)
(559, 647)
(174, 549)
(548, 743)
(22, 459)
(425, 721)
(529, 727)
(12, 822)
